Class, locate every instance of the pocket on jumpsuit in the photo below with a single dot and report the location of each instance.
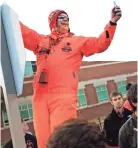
(40, 82)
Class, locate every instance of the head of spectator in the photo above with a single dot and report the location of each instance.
(132, 96)
(77, 133)
(116, 100)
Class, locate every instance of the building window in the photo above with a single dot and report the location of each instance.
(5, 119)
(34, 66)
(121, 86)
(28, 69)
(25, 113)
(102, 93)
(82, 98)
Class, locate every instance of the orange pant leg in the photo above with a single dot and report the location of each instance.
(41, 119)
(61, 110)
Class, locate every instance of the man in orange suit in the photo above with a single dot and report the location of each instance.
(59, 57)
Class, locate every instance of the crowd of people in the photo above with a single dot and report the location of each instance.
(119, 130)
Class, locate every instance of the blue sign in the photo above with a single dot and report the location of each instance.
(12, 37)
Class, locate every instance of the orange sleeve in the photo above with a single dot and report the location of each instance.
(92, 45)
(30, 37)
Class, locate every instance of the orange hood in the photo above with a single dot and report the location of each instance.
(53, 18)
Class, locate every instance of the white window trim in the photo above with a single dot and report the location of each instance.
(124, 96)
(106, 79)
(101, 86)
(120, 79)
(103, 64)
(121, 86)
(100, 83)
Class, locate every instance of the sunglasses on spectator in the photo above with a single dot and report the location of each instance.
(63, 17)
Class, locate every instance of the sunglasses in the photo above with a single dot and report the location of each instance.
(63, 17)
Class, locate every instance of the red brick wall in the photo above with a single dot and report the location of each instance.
(91, 94)
(95, 112)
(111, 86)
(132, 79)
(107, 71)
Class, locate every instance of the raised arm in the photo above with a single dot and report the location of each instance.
(92, 45)
(30, 37)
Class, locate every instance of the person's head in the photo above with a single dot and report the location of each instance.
(77, 133)
(25, 126)
(116, 100)
(132, 96)
(129, 84)
(59, 21)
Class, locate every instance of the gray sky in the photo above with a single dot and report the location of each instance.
(87, 18)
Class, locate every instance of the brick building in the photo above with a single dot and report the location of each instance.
(96, 81)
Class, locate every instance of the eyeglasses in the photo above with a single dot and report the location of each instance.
(63, 17)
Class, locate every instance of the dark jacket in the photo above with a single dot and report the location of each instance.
(30, 140)
(112, 125)
(127, 134)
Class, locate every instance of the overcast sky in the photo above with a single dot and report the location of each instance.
(87, 18)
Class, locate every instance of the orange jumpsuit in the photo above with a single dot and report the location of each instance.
(56, 80)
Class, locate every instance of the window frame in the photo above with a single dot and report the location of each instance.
(97, 91)
(117, 84)
(20, 109)
(83, 94)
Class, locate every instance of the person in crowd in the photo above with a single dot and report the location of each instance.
(128, 105)
(128, 132)
(115, 119)
(77, 133)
